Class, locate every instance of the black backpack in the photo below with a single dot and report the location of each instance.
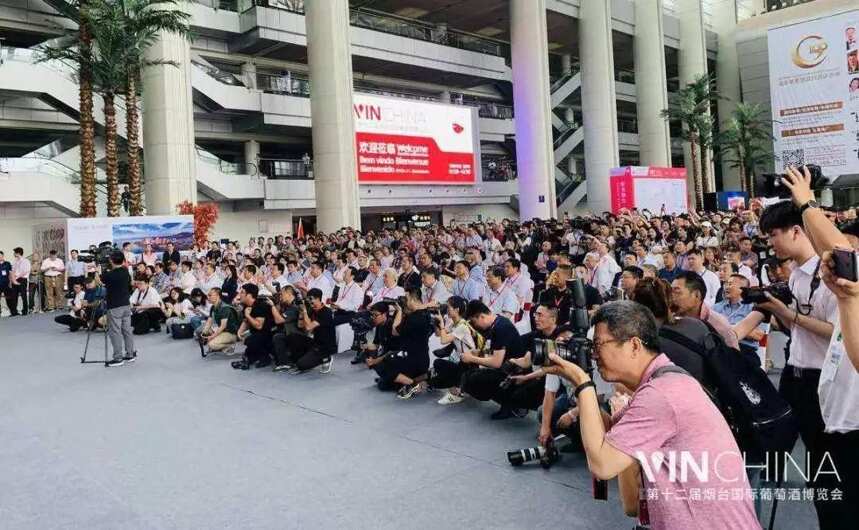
(181, 331)
(762, 422)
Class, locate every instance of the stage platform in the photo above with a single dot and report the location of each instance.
(177, 441)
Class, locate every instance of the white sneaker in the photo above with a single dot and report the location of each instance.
(450, 399)
(327, 366)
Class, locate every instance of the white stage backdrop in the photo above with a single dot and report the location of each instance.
(814, 84)
(156, 230)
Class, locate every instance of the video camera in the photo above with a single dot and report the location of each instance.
(579, 348)
(770, 184)
(757, 295)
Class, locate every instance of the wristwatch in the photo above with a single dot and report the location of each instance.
(810, 204)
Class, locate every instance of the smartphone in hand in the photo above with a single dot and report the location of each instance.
(845, 264)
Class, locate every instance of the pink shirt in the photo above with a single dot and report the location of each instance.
(721, 325)
(673, 416)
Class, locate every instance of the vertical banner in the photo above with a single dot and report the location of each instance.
(48, 237)
(814, 84)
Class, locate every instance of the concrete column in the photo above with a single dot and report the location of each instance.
(168, 127)
(444, 97)
(330, 63)
(534, 154)
(566, 63)
(252, 157)
(692, 60)
(249, 74)
(569, 115)
(727, 77)
(651, 84)
(599, 111)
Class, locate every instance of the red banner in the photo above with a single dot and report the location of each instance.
(398, 159)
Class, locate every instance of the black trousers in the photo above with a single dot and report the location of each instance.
(447, 373)
(142, 322)
(258, 347)
(13, 293)
(303, 352)
(411, 366)
(528, 395)
(74, 323)
(343, 317)
(843, 449)
(800, 391)
(483, 383)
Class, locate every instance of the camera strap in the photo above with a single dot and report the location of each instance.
(813, 286)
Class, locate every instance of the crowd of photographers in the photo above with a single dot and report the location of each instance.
(487, 312)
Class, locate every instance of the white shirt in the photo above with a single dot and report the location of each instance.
(501, 301)
(77, 302)
(711, 280)
(57, 263)
(522, 286)
(187, 281)
(808, 350)
(148, 297)
(211, 282)
(388, 292)
(604, 274)
(838, 389)
(323, 283)
(438, 293)
(350, 297)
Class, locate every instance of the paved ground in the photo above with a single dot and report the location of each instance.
(177, 441)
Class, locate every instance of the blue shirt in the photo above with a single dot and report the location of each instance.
(75, 268)
(670, 275)
(469, 289)
(735, 313)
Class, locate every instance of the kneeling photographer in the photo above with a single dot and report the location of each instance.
(381, 322)
(530, 391)
(285, 314)
(668, 413)
(407, 369)
(319, 343)
(221, 329)
(457, 337)
(255, 329)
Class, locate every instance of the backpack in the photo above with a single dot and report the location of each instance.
(181, 331)
(762, 422)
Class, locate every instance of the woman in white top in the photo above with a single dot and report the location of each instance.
(177, 308)
(707, 239)
(389, 289)
(149, 257)
(459, 337)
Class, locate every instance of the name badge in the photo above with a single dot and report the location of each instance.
(833, 359)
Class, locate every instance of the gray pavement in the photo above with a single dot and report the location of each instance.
(177, 441)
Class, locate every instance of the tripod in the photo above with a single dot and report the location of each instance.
(90, 326)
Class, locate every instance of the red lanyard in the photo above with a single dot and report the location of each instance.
(492, 300)
(343, 296)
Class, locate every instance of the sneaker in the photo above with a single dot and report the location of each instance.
(293, 370)
(240, 365)
(115, 362)
(408, 391)
(130, 358)
(327, 366)
(229, 350)
(502, 414)
(519, 413)
(450, 399)
(358, 359)
(281, 368)
(263, 363)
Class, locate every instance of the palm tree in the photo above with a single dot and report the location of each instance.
(79, 56)
(142, 21)
(693, 111)
(746, 140)
(685, 111)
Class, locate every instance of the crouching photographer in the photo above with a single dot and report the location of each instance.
(406, 369)
(669, 413)
(316, 347)
(285, 313)
(219, 332)
(457, 337)
(85, 306)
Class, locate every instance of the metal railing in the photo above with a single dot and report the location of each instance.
(775, 5)
(498, 169)
(286, 168)
(228, 78)
(225, 167)
(296, 6)
(224, 5)
(287, 84)
(564, 188)
(40, 165)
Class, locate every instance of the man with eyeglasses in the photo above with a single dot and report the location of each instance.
(668, 413)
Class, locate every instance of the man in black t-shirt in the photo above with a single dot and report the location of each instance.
(255, 329)
(557, 295)
(117, 283)
(309, 351)
(504, 343)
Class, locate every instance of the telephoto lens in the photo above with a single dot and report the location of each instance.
(577, 350)
(517, 458)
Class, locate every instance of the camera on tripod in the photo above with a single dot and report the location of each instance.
(757, 295)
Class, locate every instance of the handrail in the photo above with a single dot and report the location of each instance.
(227, 78)
(40, 165)
(285, 168)
(290, 83)
(227, 168)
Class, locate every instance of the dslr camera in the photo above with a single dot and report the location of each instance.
(770, 184)
(757, 295)
(547, 456)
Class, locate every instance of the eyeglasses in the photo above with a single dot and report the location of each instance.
(599, 344)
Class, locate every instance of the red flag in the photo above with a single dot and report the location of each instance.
(300, 232)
